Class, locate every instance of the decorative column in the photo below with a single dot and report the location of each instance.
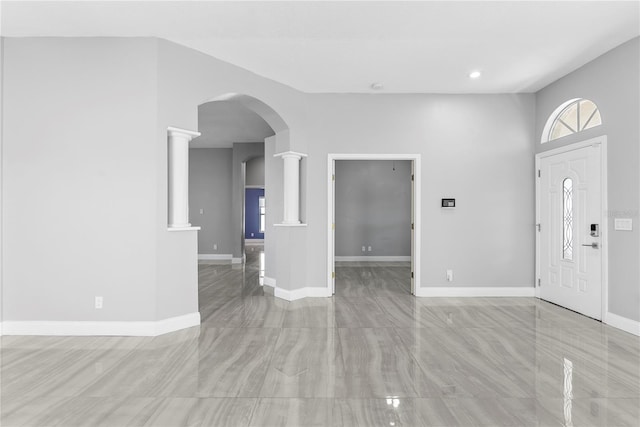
(179, 176)
(291, 186)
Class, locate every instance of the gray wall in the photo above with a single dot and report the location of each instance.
(475, 148)
(373, 207)
(255, 172)
(612, 82)
(79, 183)
(210, 190)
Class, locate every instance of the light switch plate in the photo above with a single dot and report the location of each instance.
(623, 224)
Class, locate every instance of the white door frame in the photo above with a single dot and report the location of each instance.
(604, 221)
(415, 250)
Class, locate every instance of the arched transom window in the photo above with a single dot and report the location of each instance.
(571, 117)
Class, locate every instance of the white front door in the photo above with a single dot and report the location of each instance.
(570, 221)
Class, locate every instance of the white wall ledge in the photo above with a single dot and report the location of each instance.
(283, 224)
(172, 130)
(183, 228)
(290, 153)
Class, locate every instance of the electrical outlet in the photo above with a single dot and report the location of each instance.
(215, 246)
(364, 249)
(98, 303)
(449, 275)
(201, 211)
(369, 248)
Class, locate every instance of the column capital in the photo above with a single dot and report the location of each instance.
(290, 154)
(189, 134)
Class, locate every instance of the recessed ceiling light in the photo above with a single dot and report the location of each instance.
(475, 74)
(376, 85)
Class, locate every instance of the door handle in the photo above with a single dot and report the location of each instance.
(594, 245)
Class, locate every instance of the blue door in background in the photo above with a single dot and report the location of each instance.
(254, 210)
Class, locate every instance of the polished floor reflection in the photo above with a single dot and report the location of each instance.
(373, 355)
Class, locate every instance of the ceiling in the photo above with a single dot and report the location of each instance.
(344, 47)
(222, 123)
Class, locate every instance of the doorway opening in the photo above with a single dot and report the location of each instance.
(572, 228)
(373, 223)
(254, 202)
(225, 162)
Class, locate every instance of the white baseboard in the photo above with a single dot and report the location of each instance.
(215, 257)
(469, 291)
(221, 257)
(308, 292)
(253, 241)
(176, 323)
(372, 258)
(98, 328)
(623, 323)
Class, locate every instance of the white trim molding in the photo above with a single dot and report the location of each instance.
(623, 323)
(473, 291)
(373, 258)
(269, 281)
(215, 257)
(101, 328)
(238, 260)
(290, 153)
(307, 292)
(183, 228)
(416, 249)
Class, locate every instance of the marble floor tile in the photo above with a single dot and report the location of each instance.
(233, 361)
(372, 355)
(590, 412)
(403, 311)
(296, 412)
(203, 412)
(360, 312)
(353, 282)
(310, 313)
(373, 362)
(303, 364)
(392, 411)
(119, 412)
(247, 312)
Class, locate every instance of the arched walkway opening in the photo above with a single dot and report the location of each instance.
(229, 165)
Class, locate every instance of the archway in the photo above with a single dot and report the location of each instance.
(259, 122)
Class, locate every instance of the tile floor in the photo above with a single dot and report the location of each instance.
(370, 356)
